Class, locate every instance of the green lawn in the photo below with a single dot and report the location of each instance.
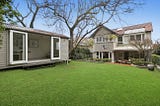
(80, 84)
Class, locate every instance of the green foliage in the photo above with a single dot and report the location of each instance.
(6, 13)
(140, 62)
(157, 47)
(80, 84)
(156, 59)
(106, 60)
(81, 53)
(102, 60)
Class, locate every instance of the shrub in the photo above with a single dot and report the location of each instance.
(102, 60)
(96, 59)
(106, 60)
(155, 59)
(140, 62)
(81, 53)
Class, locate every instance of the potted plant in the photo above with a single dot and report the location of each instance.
(150, 67)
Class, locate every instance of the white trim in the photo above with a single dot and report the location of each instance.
(109, 56)
(52, 50)
(25, 47)
(101, 55)
(11, 47)
(112, 56)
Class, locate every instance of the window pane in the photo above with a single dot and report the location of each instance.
(97, 39)
(18, 46)
(119, 40)
(56, 47)
(132, 38)
(97, 54)
(142, 37)
(100, 39)
(104, 40)
(138, 37)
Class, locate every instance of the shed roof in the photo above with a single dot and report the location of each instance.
(31, 30)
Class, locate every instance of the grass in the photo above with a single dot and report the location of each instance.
(80, 84)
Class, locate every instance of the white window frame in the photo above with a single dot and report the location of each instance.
(11, 47)
(52, 50)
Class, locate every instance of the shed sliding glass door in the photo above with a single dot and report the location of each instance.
(18, 47)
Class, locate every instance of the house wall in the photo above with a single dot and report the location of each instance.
(4, 49)
(148, 35)
(42, 51)
(64, 49)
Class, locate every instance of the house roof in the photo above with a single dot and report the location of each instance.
(102, 26)
(120, 31)
(31, 30)
(146, 26)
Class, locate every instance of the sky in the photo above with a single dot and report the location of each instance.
(149, 12)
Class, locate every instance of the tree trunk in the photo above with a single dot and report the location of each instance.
(139, 54)
(71, 42)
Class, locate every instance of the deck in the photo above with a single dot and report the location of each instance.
(32, 64)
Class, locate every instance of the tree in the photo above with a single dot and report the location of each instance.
(82, 17)
(157, 47)
(145, 48)
(32, 10)
(6, 13)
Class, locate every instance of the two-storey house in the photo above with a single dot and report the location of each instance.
(115, 44)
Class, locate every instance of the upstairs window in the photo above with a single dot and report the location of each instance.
(120, 40)
(142, 37)
(104, 40)
(138, 37)
(97, 40)
(100, 40)
(132, 37)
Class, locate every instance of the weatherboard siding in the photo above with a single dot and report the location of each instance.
(3, 49)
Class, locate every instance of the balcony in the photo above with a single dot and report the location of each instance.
(107, 46)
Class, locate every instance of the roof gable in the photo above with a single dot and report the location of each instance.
(100, 30)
